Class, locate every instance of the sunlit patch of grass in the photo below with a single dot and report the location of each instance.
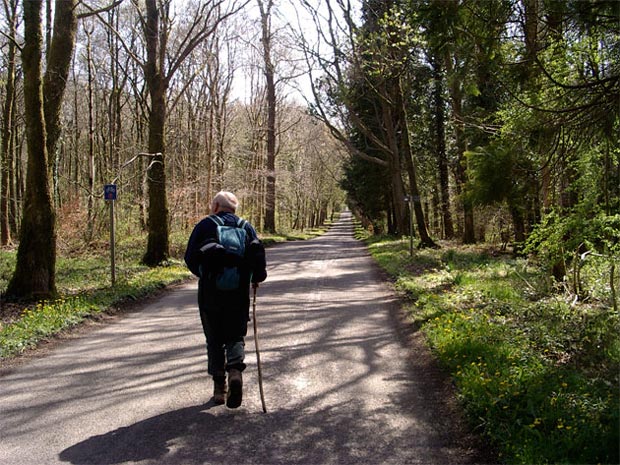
(83, 273)
(44, 319)
(84, 282)
(271, 238)
(521, 401)
(538, 375)
(40, 321)
(392, 261)
(7, 265)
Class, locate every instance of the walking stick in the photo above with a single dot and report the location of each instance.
(260, 374)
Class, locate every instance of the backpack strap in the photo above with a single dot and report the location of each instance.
(216, 219)
(241, 223)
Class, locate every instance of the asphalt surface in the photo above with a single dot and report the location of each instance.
(345, 380)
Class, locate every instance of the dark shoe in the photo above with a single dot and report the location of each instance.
(235, 391)
(219, 390)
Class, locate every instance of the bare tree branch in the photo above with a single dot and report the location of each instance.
(334, 80)
(94, 12)
(191, 42)
(126, 47)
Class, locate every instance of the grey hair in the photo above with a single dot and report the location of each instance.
(226, 200)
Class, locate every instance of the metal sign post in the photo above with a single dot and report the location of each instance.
(109, 193)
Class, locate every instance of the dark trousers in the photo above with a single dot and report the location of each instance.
(224, 335)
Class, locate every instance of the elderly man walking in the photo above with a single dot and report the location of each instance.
(225, 274)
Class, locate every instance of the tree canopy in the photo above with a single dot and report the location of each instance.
(476, 119)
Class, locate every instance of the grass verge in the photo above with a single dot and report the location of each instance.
(306, 234)
(538, 375)
(84, 288)
(83, 280)
(48, 318)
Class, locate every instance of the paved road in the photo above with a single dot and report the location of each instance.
(342, 386)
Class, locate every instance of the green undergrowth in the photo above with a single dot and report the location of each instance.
(306, 234)
(537, 373)
(83, 278)
(48, 318)
(85, 291)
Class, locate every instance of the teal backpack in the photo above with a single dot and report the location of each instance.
(233, 239)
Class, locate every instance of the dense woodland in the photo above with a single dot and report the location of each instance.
(466, 105)
(485, 120)
(145, 98)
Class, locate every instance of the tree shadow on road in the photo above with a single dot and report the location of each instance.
(194, 435)
(150, 439)
(348, 382)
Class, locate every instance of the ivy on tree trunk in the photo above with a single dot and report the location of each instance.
(34, 276)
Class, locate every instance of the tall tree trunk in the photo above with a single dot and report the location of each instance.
(57, 72)
(159, 69)
(211, 163)
(391, 135)
(157, 250)
(218, 132)
(75, 175)
(158, 242)
(269, 70)
(6, 154)
(518, 223)
(414, 192)
(34, 275)
(15, 194)
(456, 97)
(118, 83)
(256, 148)
(532, 42)
(91, 139)
(440, 144)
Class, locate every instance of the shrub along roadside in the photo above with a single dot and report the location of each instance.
(83, 279)
(537, 375)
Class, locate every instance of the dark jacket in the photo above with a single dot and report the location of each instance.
(204, 256)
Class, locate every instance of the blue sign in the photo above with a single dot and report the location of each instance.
(109, 191)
